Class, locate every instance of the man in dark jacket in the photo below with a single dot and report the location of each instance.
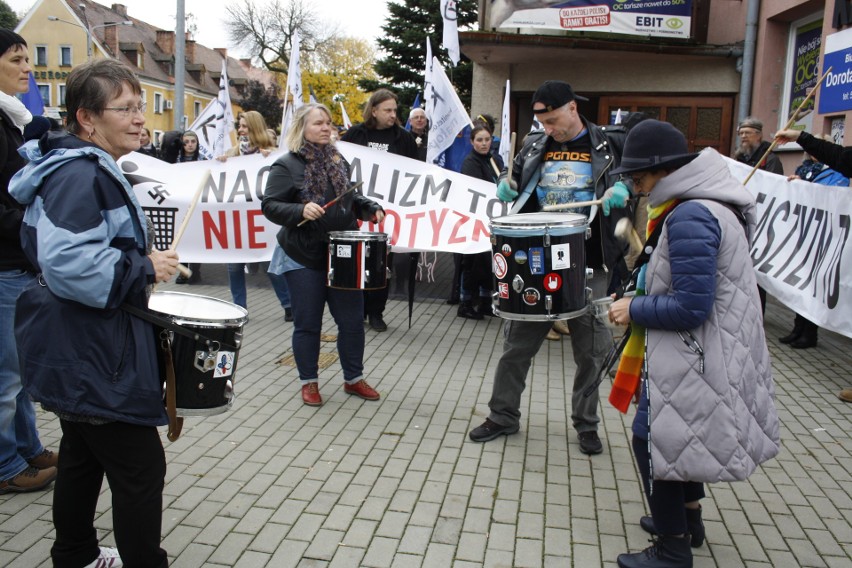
(753, 146)
(569, 160)
(381, 131)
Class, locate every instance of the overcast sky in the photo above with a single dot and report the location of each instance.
(357, 18)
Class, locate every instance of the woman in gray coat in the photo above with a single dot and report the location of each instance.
(706, 410)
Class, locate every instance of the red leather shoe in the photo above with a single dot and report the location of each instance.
(311, 395)
(362, 389)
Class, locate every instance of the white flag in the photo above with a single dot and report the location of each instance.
(505, 128)
(294, 72)
(448, 117)
(347, 124)
(224, 115)
(617, 117)
(205, 127)
(451, 30)
(286, 122)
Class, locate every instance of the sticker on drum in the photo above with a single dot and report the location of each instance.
(500, 266)
(552, 282)
(537, 260)
(521, 257)
(225, 366)
(560, 257)
(503, 290)
(506, 250)
(344, 251)
(531, 296)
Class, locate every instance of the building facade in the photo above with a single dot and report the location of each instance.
(62, 33)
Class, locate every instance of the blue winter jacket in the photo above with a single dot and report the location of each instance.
(84, 230)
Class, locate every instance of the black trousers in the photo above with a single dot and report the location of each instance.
(133, 460)
(667, 499)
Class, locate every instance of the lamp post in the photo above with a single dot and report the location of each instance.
(89, 30)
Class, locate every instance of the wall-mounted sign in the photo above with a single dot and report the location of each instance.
(658, 18)
(836, 92)
(51, 74)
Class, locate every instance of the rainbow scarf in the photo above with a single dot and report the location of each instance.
(627, 377)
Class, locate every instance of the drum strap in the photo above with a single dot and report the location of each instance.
(175, 421)
(171, 326)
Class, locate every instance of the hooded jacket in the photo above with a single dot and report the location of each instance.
(707, 406)
(606, 146)
(86, 233)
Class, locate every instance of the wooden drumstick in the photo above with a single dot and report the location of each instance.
(574, 205)
(184, 271)
(333, 201)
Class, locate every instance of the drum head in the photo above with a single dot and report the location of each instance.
(356, 236)
(555, 223)
(199, 309)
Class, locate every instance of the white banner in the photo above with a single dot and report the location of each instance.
(428, 208)
(801, 250)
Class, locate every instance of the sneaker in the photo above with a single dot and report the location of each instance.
(31, 479)
(45, 460)
(362, 389)
(377, 323)
(311, 395)
(590, 443)
(108, 558)
(489, 430)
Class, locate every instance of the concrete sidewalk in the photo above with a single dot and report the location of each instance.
(398, 483)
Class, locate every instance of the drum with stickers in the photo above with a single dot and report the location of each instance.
(539, 263)
(357, 261)
(205, 367)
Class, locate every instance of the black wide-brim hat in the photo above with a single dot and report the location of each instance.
(654, 145)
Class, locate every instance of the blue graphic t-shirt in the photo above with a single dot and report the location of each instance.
(566, 173)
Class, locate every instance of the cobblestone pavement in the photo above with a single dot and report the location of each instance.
(397, 482)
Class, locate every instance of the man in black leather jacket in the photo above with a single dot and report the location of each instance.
(569, 160)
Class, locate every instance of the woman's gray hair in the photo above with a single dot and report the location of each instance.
(92, 85)
(296, 135)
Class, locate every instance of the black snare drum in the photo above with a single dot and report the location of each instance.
(204, 375)
(539, 263)
(357, 261)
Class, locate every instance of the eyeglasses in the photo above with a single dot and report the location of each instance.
(637, 179)
(126, 111)
(748, 132)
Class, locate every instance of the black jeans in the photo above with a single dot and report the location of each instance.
(669, 498)
(134, 462)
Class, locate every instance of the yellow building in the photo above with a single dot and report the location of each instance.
(57, 36)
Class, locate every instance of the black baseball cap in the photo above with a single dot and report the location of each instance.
(554, 94)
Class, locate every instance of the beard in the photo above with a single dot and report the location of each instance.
(747, 149)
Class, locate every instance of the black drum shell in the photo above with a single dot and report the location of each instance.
(357, 261)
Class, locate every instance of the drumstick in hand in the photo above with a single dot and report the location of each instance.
(186, 272)
(574, 205)
(333, 201)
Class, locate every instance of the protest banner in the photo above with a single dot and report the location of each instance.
(801, 246)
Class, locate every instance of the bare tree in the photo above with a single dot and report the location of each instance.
(267, 29)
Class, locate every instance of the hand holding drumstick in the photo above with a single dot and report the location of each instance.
(313, 211)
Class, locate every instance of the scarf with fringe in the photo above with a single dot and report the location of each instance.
(629, 373)
(324, 165)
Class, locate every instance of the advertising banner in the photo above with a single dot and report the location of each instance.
(657, 18)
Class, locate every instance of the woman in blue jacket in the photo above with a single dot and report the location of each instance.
(82, 356)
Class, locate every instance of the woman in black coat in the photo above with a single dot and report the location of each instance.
(476, 268)
(300, 183)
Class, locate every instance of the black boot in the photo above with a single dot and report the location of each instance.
(665, 552)
(466, 311)
(694, 525)
(484, 307)
(798, 327)
(808, 337)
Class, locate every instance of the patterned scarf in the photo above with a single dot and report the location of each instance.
(629, 373)
(324, 165)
